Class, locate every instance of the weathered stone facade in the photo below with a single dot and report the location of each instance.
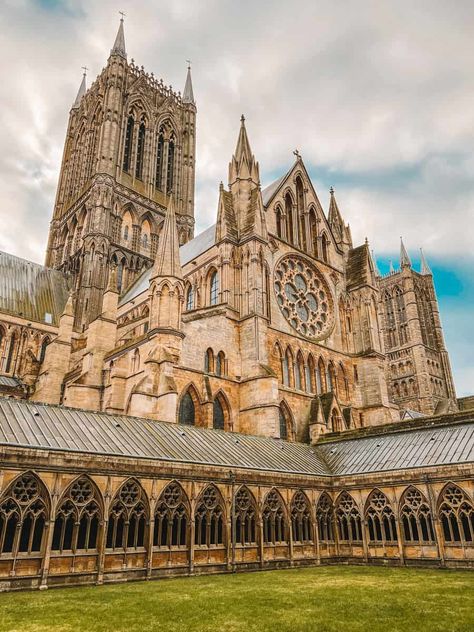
(270, 323)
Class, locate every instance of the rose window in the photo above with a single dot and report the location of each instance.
(303, 297)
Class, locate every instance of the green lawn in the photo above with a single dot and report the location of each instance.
(323, 599)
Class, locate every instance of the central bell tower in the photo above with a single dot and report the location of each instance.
(130, 144)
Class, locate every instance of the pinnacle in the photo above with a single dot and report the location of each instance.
(188, 94)
(405, 260)
(81, 92)
(119, 44)
(167, 262)
(425, 268)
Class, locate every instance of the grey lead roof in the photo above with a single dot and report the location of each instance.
(30, 290)
(187, 252)
(25, 424)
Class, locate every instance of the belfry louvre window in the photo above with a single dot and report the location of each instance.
(209, 519)
(325, 518)
(456, 513)
(190, 299)
(245, 518)
(127, 150)
(22, 517)
(218, 419)
(274, 521)
(77, 520)
(380, 519)
(160, 148)
(171, 518)
(348, 519)
(416, 517)
(127, 519)
(170, 169)
(301, 519)
(140, 151)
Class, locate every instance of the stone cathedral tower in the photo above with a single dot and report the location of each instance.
(130, 143)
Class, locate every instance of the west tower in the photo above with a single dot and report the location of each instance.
(130, 143)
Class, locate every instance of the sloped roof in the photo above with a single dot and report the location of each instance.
(358, 267)
(56, 428)
(269, 191)
(30, 290)
(187, 252)
(427, 443)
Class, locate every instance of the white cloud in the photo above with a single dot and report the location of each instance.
(378, 97)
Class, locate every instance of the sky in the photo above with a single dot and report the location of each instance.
(378, 97)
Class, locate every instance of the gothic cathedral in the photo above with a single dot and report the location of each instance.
(270, 322)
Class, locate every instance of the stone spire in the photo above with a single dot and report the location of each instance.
(80, 93)
(425, 268)
(119, 44)
(243, 164)
(340, 230)
(405, 260)
(391, 269)
(167, 263)
(188, 94)
(334, 215)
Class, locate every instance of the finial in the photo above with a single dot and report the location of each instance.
(366, 241)
(297, 154)
(242, 119)
(331, 190)
(188, 61)
(85, 69)
(122, 14)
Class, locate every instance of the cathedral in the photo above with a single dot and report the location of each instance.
(255, 396)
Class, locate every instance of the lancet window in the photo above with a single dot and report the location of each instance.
(209, 519)
(76, 526)
(127, 518)
(245, 517)
(417, 525)
(325, 518)
(380, 519)
(302, 529)
(274, 521)
(171, 518)
(127, 151)
(348, 519)
(456, 513)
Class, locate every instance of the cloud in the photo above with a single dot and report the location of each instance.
(377, 96)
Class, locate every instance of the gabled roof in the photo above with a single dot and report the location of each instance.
(359, 267)
(31, 291)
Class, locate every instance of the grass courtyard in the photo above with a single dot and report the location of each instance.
(314, 600)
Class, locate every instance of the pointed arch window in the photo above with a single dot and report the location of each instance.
(170, 169)
(245, 518)
(348, 519)
(127, 519)
(324, 248)
(300, 207)
(456, 514)
(160, 148)
(209, 361)
(190, 298)
(214, 288)
(278, 219)
(171, 519)
(218, 417)
(313, 229)
(140, 151)
(187, 410)
(275, 530)
(289, 219)
(417, 524)
(76, 526)
(127, 151)
(220, 364)
(209, 519)
(22, 517)
(380, 519)
(325, 518)
(285, 368)
(302, 528)
(285, 421)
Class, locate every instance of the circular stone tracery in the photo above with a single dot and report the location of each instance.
(303, 297)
